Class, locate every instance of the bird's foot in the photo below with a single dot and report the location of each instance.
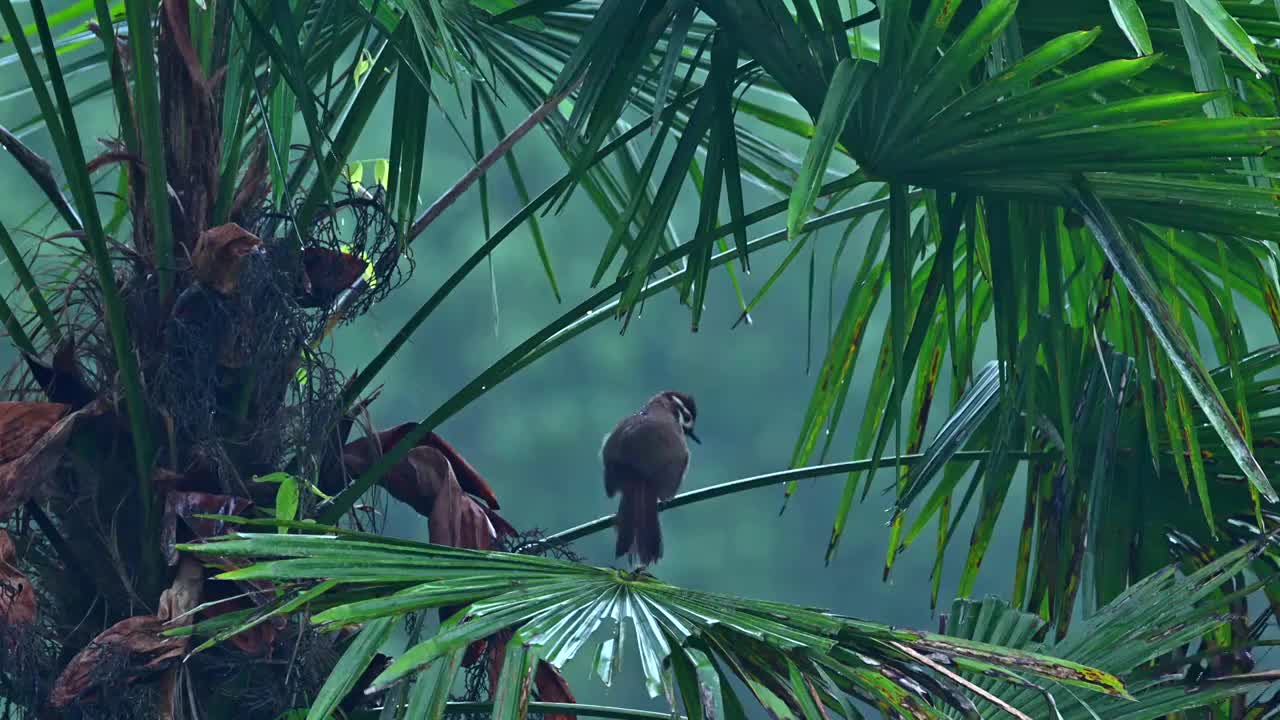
(641, 571)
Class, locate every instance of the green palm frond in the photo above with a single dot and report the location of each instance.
(790, 657)
(1112, 531)
(1089, 183)
(1128, 637)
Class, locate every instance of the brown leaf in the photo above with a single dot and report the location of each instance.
(257, 641)
(17, 598)
(456, 519)
(32, 437)
(176, 604)
(363, 453)
(219, 254)
(426, 480)
(547, 680)
(552, 687)
(331, 475)
(23, 424)
(185, 506)
(497, 656)
(183, 594)
(124, 652)
(468, 477)
(328, 273)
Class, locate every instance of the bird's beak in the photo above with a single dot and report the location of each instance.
(692, 436)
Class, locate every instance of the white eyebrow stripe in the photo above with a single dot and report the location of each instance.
(685, 415)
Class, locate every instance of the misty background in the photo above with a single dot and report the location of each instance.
(536, 437)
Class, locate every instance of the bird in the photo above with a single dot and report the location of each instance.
(645, 459)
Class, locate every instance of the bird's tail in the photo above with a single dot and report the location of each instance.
(639, 534)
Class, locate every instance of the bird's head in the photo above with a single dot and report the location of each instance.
(683, 408)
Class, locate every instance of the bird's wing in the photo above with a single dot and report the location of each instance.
(650, 451)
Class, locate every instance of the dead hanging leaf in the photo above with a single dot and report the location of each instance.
(552, 687)
(123, 653)
(23, 424)
(219, 254)
(327, 274)
(427, 481)
(437, 482)
(185, 506)
(497, 654)
(183, 594)
(331, 476)
(456, 519)
(547, 680)
(62, 381)
(468, 477)
(32, 437)
(257, 641)
(17, 597)
(31, 449)
(366, 451)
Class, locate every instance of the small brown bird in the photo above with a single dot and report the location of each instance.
(645, 458)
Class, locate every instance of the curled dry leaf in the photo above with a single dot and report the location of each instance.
(133, 647)
(123, 653)
(32, 437)
(328, 273)
(435, 480)
(552, 687)
(547, 680)
(257, 641)
(183, 594)
(331, 475)
(185, 505)
(439, 484)
(468, 477)
(179, 524)
(176, 604)
(361, 454)
(219, 254)
(428, 481)
(23, 424)
(17, 598)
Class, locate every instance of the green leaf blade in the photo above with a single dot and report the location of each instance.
(846, 86)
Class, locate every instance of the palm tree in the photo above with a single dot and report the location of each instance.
(1031, 170)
